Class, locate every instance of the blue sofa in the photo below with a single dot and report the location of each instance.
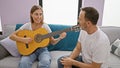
(64, 47)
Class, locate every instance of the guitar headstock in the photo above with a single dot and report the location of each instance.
(75, 28)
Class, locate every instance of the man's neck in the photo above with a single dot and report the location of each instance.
(92, 29)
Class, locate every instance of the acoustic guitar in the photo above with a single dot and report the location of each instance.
(40, 39)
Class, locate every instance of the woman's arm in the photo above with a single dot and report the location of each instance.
(54, 41)
(14, 37)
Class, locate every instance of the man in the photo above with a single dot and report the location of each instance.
(93, 44)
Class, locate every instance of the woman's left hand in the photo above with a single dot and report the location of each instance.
(62, 35)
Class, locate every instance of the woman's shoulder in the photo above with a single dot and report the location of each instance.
(27, 23)
(26, 26)
(45, 25)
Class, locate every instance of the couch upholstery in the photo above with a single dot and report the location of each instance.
(64, 47)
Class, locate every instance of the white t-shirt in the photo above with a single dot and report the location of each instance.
(27, 26)
(95, 47)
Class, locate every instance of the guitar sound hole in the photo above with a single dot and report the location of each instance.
(26, 44)
(38, 38)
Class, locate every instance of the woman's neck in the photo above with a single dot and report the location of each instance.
(36, 26)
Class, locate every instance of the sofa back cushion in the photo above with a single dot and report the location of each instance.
(67, 44)
(112, 32)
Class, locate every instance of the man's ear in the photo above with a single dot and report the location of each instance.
(89, 23)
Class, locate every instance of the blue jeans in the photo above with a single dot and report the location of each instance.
(41, 54)
(79, 58)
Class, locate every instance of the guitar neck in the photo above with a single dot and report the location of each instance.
(55, 33)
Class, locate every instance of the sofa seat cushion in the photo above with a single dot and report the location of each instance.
(12, 62)
(57, 54)
(9, 62)
(114, 61)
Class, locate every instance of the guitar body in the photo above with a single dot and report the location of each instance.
(27, 49)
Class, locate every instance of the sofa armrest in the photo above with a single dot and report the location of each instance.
(3, 52)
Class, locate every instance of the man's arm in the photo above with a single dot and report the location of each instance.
(85, 65)
(76, 51)
(70, 60)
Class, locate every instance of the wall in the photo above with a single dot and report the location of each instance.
(98, 4)
(111, 13)
(15, 11)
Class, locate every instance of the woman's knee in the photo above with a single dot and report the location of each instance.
(45, 61)
(25, 60)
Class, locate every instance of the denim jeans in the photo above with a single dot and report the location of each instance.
(41, 54)
(79, 58)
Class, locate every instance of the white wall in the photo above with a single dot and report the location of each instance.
(60, 11)
(98, 4)
(0, 25)
(15, 11)
(111, 15)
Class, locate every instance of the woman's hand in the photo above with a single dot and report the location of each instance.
(55, 41)
(62, 35)
(27, 40)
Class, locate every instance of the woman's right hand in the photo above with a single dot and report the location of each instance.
(27, 40)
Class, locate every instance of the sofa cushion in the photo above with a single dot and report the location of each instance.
(56, 55)
(3, 52)
(115, 49)
(9, 62)
(113, 61)
(112, 32)
(10, 46)
(67, 44)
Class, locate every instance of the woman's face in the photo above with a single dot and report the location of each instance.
(37, 16)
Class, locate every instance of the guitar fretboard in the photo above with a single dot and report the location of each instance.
(55, 33)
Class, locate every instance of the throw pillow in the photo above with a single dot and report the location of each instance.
(115, 49)
(10, 46)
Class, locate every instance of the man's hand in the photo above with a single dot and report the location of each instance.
(66, 61)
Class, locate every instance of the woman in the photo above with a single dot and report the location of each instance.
(42, 54)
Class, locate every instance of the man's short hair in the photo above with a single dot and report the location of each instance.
(91, 14)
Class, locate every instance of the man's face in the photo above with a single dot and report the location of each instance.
(82, 21)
